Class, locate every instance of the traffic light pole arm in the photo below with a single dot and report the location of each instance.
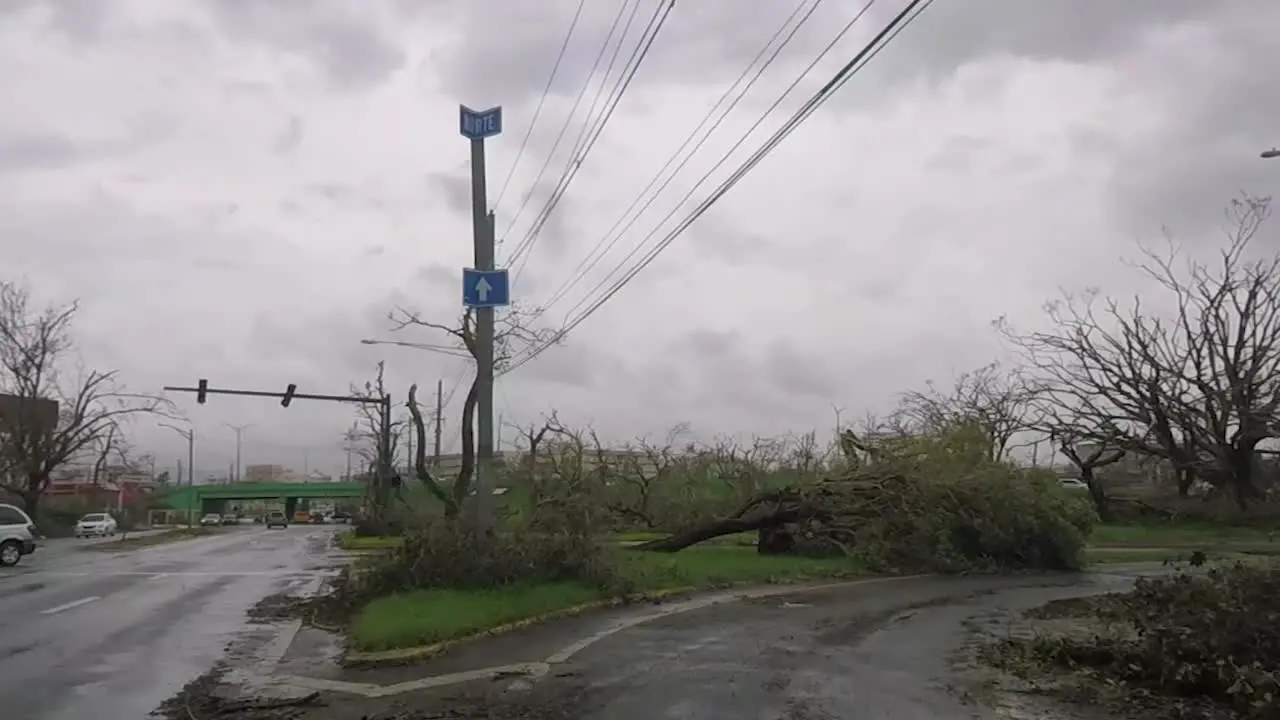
(297, 395)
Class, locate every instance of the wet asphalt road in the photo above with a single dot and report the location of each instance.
(894, 650)
(112, 635)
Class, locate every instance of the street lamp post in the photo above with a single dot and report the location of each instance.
(429, 347)
(238, 430)
(190, 435)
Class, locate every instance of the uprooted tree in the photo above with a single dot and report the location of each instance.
(53, 413)
(1189, 375)
(927, 502)
(513, 333)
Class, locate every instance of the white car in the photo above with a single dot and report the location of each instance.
(211, 520)
(96, 525)
(17, 535)
(1073, 484)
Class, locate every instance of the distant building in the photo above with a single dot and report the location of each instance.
(116, 487)
(264, 473)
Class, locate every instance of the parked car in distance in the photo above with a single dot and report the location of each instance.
(277, 519)
(211, 520)
(316, 518)
(230, 519)
(96, 525)
(302, 516)
(340, 516)
(1073, 484)
(17, 535)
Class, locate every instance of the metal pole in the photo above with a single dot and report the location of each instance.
(191, 471)
(439, 419)
(482, 222)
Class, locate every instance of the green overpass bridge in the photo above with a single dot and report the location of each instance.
(204, 499)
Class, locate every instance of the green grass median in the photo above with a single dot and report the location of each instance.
(423, 617)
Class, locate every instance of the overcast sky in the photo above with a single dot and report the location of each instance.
(242, 190)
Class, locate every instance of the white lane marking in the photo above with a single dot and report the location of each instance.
(68, 606)
(161, 576)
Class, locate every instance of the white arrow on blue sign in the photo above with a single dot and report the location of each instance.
(485, 288)
(479, 124)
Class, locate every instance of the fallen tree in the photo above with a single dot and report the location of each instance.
(929, 503)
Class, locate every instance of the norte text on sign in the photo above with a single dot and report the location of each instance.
(478, 125)
(485, 288)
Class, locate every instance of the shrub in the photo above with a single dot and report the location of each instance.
(440, 553)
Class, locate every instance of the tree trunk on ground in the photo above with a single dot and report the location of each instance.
(719, 528)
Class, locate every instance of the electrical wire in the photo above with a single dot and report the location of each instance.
(638, 56)
(604, 47)
(725, 157)
(555, 68)
(601, 249)
(588, 124)
(900, 22)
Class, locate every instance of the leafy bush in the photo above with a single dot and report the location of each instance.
(439, 553)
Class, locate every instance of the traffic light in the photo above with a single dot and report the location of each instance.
(288, 395)
(202, 391)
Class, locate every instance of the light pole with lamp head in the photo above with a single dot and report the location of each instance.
(238, 429)
(1272, 153)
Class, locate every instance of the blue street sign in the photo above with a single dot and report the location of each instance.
(485, 288)
(479, 125)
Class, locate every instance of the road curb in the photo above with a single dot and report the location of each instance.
(407, 656)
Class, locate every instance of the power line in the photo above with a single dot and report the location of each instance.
(604, 47)
(575, 164)
(725, 157)
(882, 39)
(555, 68)
(601, 249)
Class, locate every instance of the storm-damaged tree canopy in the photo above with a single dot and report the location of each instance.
(1188, 372)
(931, 502)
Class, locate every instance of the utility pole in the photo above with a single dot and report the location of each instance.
(484, 289)
(238, 430)
(351, 446)
(190, 435)
(439, 420)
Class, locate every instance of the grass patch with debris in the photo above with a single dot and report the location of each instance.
(1203, 645)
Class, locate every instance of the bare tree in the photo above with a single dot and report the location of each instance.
(1197, 384)
(55, 411)
(996, 401)
(369, 428)
(512, 334)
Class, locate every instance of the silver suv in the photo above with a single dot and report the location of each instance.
(17, 535)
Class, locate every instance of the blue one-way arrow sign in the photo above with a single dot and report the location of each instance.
(485, 288)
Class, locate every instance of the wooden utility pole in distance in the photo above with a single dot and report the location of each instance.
(439, 420)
